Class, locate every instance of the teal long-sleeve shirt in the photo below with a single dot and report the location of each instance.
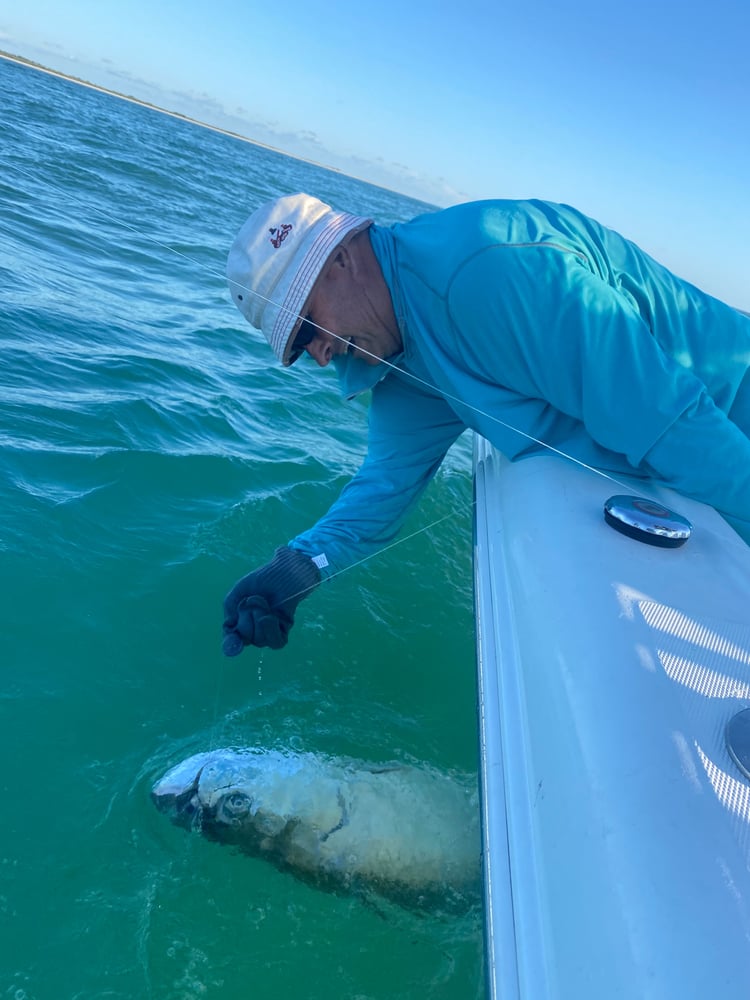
(528, 322)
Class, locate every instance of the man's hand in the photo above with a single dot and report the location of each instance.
(259, 609)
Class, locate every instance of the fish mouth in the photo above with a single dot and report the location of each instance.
(183, 806)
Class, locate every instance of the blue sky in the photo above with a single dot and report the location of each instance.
(636, 113)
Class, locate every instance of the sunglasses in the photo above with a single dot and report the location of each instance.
(307, 331)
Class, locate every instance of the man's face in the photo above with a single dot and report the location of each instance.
(341, 317)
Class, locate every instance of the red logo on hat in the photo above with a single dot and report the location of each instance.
(279, 235)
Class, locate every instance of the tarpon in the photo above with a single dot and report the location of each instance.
(402, 830)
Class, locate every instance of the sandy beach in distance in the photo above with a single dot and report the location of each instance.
(155, 107)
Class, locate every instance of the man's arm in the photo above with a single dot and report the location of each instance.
(410, 431)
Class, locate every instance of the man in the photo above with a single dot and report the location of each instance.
(526, 321)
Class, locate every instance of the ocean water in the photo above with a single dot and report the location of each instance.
(152, 453)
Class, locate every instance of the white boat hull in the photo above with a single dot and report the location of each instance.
(616, 825)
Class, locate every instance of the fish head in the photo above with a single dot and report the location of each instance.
(224, 794)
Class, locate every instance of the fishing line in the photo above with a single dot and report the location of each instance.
(119, 222)
(391, 545)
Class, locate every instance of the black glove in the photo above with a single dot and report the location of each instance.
(259, 609)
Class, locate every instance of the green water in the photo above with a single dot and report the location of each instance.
(152, 454)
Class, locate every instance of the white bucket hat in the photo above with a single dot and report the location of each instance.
(276, 258)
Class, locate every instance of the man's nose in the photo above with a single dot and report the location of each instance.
(320, 348)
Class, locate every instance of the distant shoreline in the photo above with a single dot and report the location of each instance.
(30, 64)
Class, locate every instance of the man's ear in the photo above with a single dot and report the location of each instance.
(340, 265)
(342, 258)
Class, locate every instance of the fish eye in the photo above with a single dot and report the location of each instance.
(234, 807)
